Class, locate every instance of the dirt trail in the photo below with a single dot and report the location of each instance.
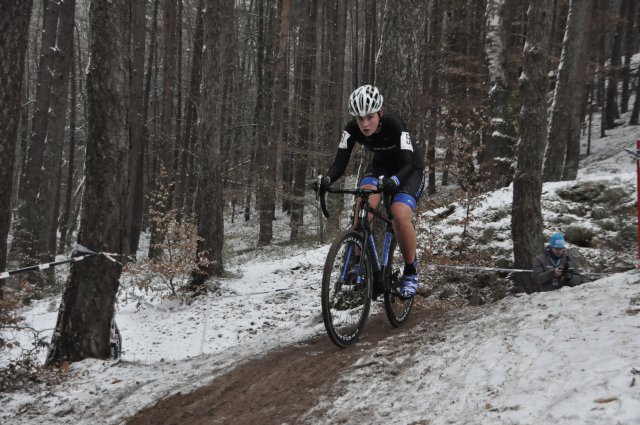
(276, 388)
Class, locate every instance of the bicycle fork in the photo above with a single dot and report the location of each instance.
(379, 264)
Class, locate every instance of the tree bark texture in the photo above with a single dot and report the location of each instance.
(217, 58)
(635, 112)
(526, 221)
(265, 144)
(279, 100)
(135, 195)
(65, 214)
(46, 202)
(337, 104)
(433, 71)
(398, 66)
(307, 52)
(499, 150)
(630, 33)
(82, 329)
(14, 27)
(563, 139)
(611, 112)
(29, 221)
(190, 138)
(165, 139)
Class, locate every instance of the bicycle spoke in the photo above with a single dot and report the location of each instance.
(396, 307)
(345, 295)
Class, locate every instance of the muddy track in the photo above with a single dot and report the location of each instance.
(278, 387)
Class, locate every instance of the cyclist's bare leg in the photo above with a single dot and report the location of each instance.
(374, 200)
(404, 230)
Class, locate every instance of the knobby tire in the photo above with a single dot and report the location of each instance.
(397, 308)
(345, 302)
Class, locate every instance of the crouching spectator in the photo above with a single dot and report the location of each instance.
(555, 268)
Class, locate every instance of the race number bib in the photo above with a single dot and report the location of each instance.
(405, 141)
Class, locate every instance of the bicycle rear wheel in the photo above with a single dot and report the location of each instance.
(346, 296)
(397, 308)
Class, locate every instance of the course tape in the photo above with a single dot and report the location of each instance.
(497, 269)
(110, 256)
(77, 248)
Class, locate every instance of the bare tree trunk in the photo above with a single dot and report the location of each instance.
(14, 24)
(71, 161)
(307, 50)
(190, 136)
(55, 132)
(370, 27)
(135, 196)
(337, 105)
(398, 66)
(611, 112)
(26, 247)
(82, 329)
(499, 152)
(37, 216)
(218, 31)
(526, 221)
(190, 130)
(177, 145)
(149, 120)
(635, 113)
(263, 117)
(629, 15)
(166, 140)
(563, 139)
(279, 102)
(170, 46)
(433, 72)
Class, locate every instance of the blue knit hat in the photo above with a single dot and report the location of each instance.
(557, 241)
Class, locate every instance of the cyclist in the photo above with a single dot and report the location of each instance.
(395, 159)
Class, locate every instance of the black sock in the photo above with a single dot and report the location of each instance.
(410, 269)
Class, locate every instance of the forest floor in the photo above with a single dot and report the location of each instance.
(254, 349)
(284, 385)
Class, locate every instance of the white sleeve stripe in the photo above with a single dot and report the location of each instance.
(343, 141)
(405, 141)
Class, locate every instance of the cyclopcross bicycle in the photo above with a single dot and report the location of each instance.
(348, 287)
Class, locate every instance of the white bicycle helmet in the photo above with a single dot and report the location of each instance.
(365, 100)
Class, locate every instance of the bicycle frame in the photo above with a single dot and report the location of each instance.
(363, 225)
(346, 296)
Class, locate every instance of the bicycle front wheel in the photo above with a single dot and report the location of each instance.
(397, 308)
(346, 289)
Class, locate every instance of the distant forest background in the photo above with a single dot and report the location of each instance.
(133, 116)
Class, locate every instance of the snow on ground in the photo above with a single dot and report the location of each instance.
(170, 347)
(565, 357)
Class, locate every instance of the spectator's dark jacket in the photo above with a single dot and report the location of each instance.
(544, 277)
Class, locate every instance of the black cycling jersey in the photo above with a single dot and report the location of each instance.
(391, 146)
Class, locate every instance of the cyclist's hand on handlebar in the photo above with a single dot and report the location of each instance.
(321, 184)
(389, 185)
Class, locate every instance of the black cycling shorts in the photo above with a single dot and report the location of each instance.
(409, 191)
